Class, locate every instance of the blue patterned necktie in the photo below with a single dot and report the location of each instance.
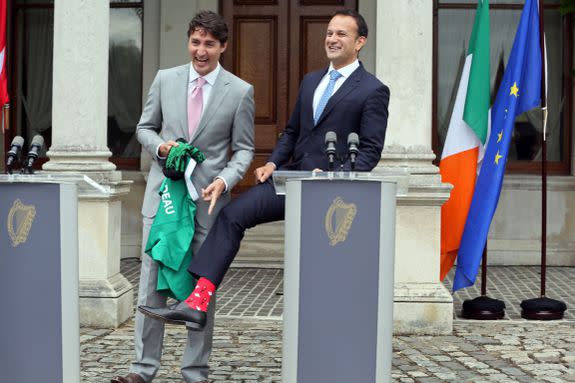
(333, 76)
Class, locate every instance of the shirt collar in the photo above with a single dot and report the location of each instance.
(210, 77)
(347, 70)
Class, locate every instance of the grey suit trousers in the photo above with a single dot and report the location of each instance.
(149, 333)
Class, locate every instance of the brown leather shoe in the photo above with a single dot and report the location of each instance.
(130, 378)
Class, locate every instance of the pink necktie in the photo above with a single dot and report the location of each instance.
(195, 105)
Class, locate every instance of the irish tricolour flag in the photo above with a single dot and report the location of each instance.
(466, 135)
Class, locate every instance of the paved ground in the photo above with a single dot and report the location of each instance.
(247, 344)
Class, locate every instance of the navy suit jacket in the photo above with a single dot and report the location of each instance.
(359, 105)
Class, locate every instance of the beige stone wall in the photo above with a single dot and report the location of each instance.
(131, 216)
(514, 235)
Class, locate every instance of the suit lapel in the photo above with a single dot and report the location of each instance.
(351, 83)
(181, 100)
(307, 97)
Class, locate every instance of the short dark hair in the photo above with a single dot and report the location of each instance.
(210, 22)
(359, 20)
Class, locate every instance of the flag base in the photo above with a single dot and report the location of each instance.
(542, 309)
(483, 308)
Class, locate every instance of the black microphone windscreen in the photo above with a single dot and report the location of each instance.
(353, 138)
(37, 140)
(330, 137)
(17, 141)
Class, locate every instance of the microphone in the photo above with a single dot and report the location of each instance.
(35, 147)
(330, 141)
(14, 153)
(352, 148)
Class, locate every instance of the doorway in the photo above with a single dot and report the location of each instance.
(273, 44)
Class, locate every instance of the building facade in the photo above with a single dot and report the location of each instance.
(79, 72)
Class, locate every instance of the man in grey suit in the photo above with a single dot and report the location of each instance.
(214, 111)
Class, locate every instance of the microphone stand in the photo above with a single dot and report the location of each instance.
(331, 158)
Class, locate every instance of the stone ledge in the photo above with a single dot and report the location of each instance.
(106, 303)
(417, 159)
(421, 292)
(113, 287)
(422, 318)
(106, 312)
(422, 308)
(533, 183)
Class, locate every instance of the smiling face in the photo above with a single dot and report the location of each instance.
(205, 51)
(342, 41)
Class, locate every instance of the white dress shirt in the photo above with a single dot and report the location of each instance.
(345, 72)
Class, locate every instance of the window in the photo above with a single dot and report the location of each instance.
(31, 37)
(453, 24)
(125, 85)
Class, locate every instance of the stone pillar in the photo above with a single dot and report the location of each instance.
(79, 145)
(422, 304)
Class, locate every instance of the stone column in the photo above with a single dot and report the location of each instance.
(79, 145)
(404, 49)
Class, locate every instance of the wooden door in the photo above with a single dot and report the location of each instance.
(272, 44)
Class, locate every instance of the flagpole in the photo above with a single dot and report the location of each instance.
(5, 118)
(484, 271)
(483, 307)
(543, 152)
(543, 308)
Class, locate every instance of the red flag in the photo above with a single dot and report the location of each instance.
(4, 98)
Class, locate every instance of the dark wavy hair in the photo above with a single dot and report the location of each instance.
(210, 22)
(359, 20)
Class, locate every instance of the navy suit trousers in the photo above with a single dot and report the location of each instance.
(260, 204)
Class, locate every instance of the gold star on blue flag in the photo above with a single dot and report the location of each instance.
(519, 92)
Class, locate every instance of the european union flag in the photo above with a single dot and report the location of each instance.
(520, 91)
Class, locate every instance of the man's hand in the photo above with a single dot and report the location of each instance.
(164, 149)
(213, 192)
(264, 172)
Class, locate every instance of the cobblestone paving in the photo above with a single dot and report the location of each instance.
(247, 341)
(258, 292)
(245, 350)
(249, 350)
(514, 284)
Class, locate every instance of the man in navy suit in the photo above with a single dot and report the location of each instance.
(343, 98)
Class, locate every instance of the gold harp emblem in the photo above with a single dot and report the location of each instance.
(20, 219)
(338, 220)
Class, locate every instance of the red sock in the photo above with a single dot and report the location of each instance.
(200, 297)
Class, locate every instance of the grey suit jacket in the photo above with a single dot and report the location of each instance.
(225, 133)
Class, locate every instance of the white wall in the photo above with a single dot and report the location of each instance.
(367, 8)
(515, 233)
(174, 18)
